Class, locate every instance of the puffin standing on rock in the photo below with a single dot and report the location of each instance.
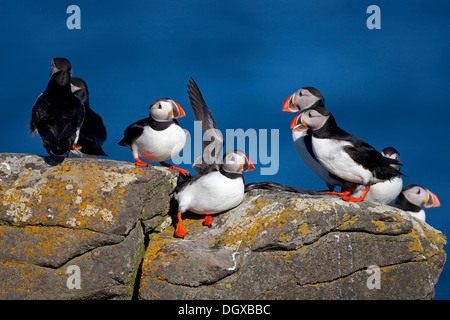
(159, 137)
(344, 155)
(387, 191)
(57, 114)
(413, 197)
(217, 187)
(93, 130)
(300, 101)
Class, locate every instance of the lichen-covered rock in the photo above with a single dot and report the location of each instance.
(279, 245)
(77, 212)
(102, 229)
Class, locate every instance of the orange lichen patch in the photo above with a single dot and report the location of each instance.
(380, 226)
(157, 257)
(74, 193)
(248, 227)
(24, 279)
(424, 240)
(37, 244)
(348, 221)
(303, 228)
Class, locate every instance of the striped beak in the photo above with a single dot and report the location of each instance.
(290, 105)
(432, 200)
(177, 111)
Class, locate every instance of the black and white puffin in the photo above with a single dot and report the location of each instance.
(93, 130)
(386, 191)
(300, 101)
(57, 114)
(159, 137)
(344, 155)
(413, 197)
(217, 187)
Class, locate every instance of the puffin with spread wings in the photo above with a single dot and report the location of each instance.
(217, 187)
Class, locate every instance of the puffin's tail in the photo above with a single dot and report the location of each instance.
(278, 187)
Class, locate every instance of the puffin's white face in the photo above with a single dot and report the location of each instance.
(300, 100)
(237, 162)
(166, 110)
(421, 197)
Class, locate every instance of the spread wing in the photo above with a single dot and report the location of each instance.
(212, 137)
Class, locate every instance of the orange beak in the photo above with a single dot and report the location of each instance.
(432, 200)
(251, 166)
(290, 105)
(179, 111)
(295, 126)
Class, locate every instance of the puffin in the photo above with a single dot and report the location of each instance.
(300, 101)
(217, 187)
(93, 130)
(57, 114)
(387, 191)
(159, 137)
(413, 197)
(343, 154)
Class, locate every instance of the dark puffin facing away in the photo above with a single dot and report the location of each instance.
(413, 197)
(93, 130)
(300, 101)
(57, 114)
(159, 137)
(344, 155)
(387, 191)
(217, 187)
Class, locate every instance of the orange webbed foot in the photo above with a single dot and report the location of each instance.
(141, 163)
(180, 232)
(207, 221)
(182, 171)
(358, 199)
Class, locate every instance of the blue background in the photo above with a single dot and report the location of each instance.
(389, 87)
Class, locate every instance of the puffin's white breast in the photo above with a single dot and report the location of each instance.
(156, 146)
(334, 158)
(300, 146)
(210, 194)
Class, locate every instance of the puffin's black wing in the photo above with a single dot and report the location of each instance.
(278, 187)
(133, 131)
(213, 138)
(39, 114)
(92, 134)
(364, 154)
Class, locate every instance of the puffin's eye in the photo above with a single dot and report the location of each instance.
(418, 191)
(159, 107)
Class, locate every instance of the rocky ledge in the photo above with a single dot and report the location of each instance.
(102, 229)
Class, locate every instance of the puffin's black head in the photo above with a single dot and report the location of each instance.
(61, 71)
(80, 90)
(59, 64)
(391, 153)
(302, 99)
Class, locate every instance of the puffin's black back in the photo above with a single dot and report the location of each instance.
(360, 151)
(57, 114)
